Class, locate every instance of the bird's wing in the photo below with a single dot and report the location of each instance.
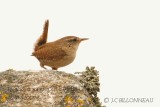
(48, 53)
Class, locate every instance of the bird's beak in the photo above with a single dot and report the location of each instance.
(82, 39)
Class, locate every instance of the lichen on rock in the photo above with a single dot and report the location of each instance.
(90, 81)
(47, 88)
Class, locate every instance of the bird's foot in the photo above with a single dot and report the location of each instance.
(53, 68)
(43, 66)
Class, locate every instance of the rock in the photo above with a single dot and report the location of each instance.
(45, 88)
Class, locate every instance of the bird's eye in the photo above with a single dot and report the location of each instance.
(73, 40)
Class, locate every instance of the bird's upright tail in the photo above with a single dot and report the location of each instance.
(43, 38)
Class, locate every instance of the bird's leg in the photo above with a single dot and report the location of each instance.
(42, 66)
(53, 68)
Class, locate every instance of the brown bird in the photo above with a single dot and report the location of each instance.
(58, 53)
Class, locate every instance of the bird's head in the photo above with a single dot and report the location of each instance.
(71, 41)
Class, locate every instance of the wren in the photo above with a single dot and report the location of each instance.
(58, 53)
